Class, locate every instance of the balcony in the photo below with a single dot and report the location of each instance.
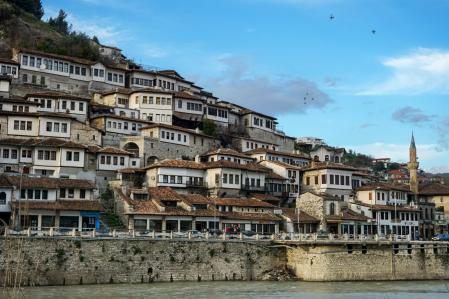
(193, 184)
(252, 188)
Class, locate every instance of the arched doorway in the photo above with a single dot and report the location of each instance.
(132, 148)
(151, 160)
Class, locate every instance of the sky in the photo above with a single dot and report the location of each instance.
(361, 74)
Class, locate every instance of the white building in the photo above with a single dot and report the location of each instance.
(324, 153)
(263, 153)
(9, 68)
(227, 154)
(154, 105)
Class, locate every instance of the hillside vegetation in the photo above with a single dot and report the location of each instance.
(21, 27)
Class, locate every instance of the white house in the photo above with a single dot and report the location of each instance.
(325, 153)
(227, 154)
(9, 67)
(264, 153)
(154, 105)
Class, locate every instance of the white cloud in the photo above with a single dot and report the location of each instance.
(268, 94)
(101, 28)
(428, 154)
(152, 50)
(420, 71)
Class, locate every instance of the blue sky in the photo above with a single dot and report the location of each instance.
(369, 90)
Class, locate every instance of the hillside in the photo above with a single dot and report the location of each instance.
(23, 29)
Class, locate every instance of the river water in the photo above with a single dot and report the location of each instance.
(237, 290)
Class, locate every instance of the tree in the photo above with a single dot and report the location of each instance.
(209, 127)
(34, 7)
(60, 23)
(95, 39)
(379, 167)
(394, 166)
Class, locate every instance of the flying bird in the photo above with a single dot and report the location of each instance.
(331, 17)
(373, 31)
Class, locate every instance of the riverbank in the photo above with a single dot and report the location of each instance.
(74, 261)
(244, 290)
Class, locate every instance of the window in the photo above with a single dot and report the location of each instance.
(6, 153)
(76, 156)
(102, 160)
(2, 198)
(71, 192)
(62, 193)
(108, 160)
(316, 180)
(332, 208)
(308, 180)
(323, 179)
(331, 179)
(81, 106)
(49, 126)
(237, 179)
(225, 178)
(16, 125)
(122, 161)
(337, 180)
(64, 128)
(82, 193)
(68, 156)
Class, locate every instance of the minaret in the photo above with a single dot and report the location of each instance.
(413, 167)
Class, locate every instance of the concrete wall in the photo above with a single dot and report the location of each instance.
(59, 262)
(380, 262)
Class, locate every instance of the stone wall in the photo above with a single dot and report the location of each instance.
(68, 262)
(372, 262)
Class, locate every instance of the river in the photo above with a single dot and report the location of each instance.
(237, 290)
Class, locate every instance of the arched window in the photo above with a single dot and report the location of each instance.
(337, 159)
(2, 198)
(316, 158)
(326, 158)
(332, 208)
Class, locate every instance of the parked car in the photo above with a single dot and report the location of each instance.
(441, 237)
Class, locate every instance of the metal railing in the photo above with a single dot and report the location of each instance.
(196, 235)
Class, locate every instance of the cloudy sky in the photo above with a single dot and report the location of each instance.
(365, 79)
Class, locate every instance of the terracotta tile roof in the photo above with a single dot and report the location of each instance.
(274, 176)
(57, 56)
(150, 90)
(261, 150)
(177, 164)
(325, 196)
(329, 165)
(227, 152)
(251, 216)
(64, 205)
(196, 199)
(248, 111)
(292, 214)
(120, 90)
(164, 193)
(384, 186)
(131, 170)
(283, 164)
(57, 95)
(347, 214)
(47, 142)
(264, 197)
(239, 202)
(50, 183)
(4, 182)
(256, 140)
(186, 95)
(37, 114)
(8, 61)
(387, 207)
(433, 189)
(233, 165)
(112, 150)
(19, 100)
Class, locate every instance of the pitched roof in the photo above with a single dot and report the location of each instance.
(329, 165)
(239, 202)
(283, 164)
(57, 95)
(65, 205)
(20, 100)
(347, 214)
(228, 152)
(171, 127)
(323, 195)
(37, 142)
(292, 214)
(163, 193)
(433, 189)
(234, 165)
(251, 216)
(196, 199)
(57, 56)
(384, 186)
(108, 150)
(265, 197)
(177, 164)
(261, 150)
(122, 118)
(248, 111)
(387, 207)
(274, 176)
(49, 183)
(8, 61)
(186, 95)
(37, 114)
